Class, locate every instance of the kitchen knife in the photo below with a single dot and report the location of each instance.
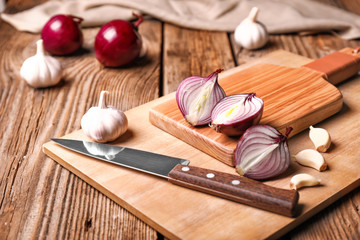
(233, 187)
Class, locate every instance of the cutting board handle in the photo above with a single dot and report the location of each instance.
(337, 66)
(236, 188)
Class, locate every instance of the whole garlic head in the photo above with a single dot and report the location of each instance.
(250, 33)
(104, 123)
(41, 70)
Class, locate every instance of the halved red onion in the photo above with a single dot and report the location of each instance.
(262, 152)
(197, 96)
(236, 113)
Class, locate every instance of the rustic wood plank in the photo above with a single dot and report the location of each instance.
(170, 209)
(192, 53)
(338, 221)
(58, 203)
(315, 46)
(19, 143)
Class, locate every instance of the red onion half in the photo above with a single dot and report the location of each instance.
(118, 43)
(262, 152)
(197, 96)
(62, 35)
(236, 113)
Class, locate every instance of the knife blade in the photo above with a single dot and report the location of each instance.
(232, 187)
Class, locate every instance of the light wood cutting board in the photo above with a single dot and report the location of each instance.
(180, 213)
(294, 97)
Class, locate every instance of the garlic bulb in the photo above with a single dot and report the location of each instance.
(250, 33)
(102, 123)
(41, 70)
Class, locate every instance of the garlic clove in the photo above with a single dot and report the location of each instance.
(320, 138)
(303, 180)
(104, 123)
(250, 33)
(41, 70)
(311, 158)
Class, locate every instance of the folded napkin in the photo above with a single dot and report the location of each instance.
(279, 16)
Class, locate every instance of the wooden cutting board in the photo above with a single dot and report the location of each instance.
(180, 213)
(296, 97)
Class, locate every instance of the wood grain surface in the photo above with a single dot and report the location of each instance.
(293, 97)
(247, 192)
(42, 200)
(177, 214)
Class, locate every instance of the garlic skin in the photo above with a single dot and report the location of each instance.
(303, 180)
(40, 70)
(104, 123)
(311, 158)
(250, 33)
(320, 138)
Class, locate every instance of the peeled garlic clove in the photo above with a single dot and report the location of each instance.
(197, 96)
(321, 138)
(41, 70)
(303, 180)
(311, 158)
(250, 33)
(104, 123)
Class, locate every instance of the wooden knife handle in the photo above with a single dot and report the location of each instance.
(337, 66)
(236, 188)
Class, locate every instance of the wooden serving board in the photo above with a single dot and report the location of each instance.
(293, 96)
(180, 213)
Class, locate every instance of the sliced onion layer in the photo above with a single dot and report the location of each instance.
(262, 152)
(236, 113)
(197, 96)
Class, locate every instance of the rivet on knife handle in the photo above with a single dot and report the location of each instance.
(236, 188)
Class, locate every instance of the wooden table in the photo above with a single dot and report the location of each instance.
(41, 199)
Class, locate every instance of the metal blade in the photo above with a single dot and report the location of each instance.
(152, 163)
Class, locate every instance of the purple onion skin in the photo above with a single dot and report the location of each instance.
(196, 81)
(236, 128)
(255, 138)
(62, 35)
(118, 43)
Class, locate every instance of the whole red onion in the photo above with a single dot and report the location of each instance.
(62, 35)
(118, 43)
